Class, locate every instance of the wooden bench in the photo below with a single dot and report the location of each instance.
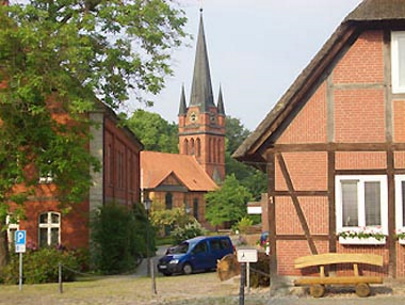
(317, 284)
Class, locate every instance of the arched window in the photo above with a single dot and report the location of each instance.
(169, 201)
(192, 147)
(49, 229)
(198, 147)
(185, 146)
(214, 150)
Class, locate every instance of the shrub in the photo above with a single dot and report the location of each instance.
(189, 230)
(41, 266)
(243, 225)
(119, 237)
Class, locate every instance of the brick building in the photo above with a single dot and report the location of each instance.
(118, 150)
(334, 146)
(181, 180)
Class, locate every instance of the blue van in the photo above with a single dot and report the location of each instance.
(196, 254)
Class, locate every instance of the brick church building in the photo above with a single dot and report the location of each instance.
(181, 180)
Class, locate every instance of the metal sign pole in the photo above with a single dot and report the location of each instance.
(242, 284)
(20, 277)
(248, 276)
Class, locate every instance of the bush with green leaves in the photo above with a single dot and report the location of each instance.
(168, 219)
(189, 230)
(42, 266)
(119, 237)
(243, 224)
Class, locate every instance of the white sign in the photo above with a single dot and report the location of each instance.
(20, 248)
(247, 255)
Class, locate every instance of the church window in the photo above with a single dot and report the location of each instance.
(198, 147)
(192, 147)
(185, 145)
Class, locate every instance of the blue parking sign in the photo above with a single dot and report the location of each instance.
(20, 237)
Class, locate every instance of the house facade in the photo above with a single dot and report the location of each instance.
(175, 181)
(334, 147)
(118, 151)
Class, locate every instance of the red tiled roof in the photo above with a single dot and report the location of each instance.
(157, 166)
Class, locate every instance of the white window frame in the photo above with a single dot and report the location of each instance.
(361, 207)
(11, 228)
(395, 37)
(400, 226)
(49, 226)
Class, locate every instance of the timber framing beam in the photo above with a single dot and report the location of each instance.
(296, 204)
(375, 147)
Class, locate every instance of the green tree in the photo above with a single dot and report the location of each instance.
(56, 57)
(252, 178)
(235, 133)
(227, 205)
(118, 236)
(155, 133)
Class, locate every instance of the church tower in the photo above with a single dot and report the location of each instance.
(202, 123)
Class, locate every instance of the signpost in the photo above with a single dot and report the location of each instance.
(245, 256)
(20, 239)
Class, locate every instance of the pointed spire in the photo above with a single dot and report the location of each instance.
(201, 90)
(183, 106)
(220, 107)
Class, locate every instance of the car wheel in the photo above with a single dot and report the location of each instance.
(187, 268)
(166, 273)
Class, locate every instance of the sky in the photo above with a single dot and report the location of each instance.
(256, 49)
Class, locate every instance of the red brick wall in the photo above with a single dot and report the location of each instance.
(288, 251)
(399, 122)
(74, 225)
(361, 160)
(308, 171)
(364, 61)
(122, 183)
(359, 116)
(309, 126)
(399, 159)
(315, 210)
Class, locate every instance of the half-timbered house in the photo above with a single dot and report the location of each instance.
(334, 146)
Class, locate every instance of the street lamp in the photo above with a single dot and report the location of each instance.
(150, 267)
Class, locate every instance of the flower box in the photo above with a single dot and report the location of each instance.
(361, 241)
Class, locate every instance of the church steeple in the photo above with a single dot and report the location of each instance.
(202, 123)
(183, 105)
(201, 90)
(220, 105)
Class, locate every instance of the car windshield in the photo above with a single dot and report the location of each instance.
(180, 249)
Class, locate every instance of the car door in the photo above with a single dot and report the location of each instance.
(200, 256)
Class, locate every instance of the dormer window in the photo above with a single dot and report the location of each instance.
(398, 61)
